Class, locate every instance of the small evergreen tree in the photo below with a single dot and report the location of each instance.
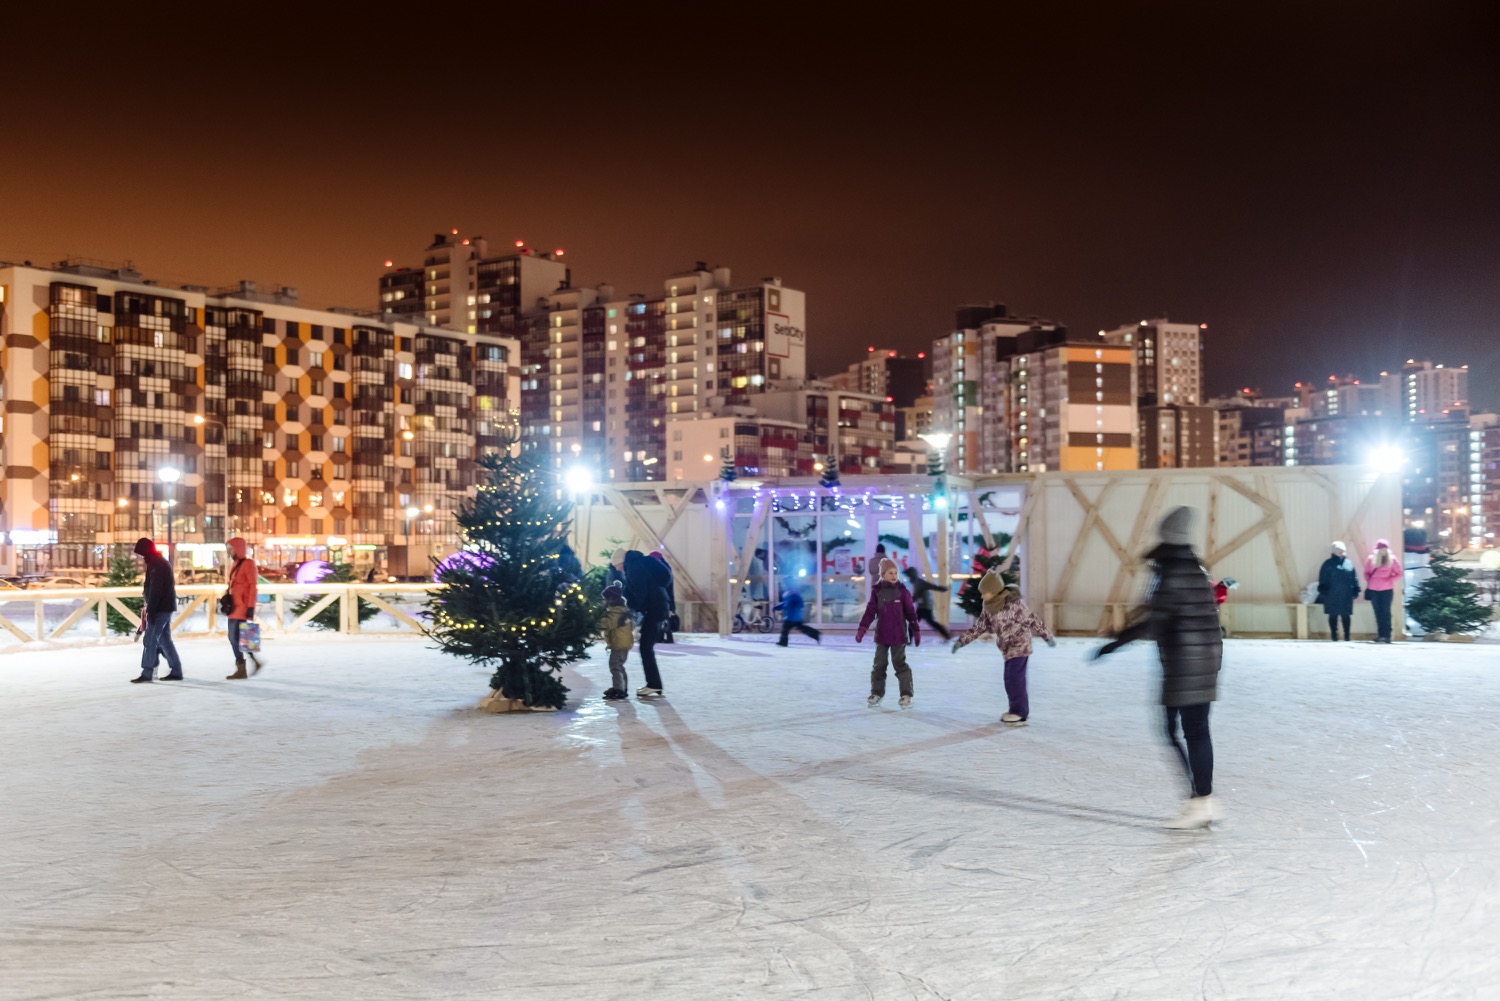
(338, 572)
(510, 605)
(123, 572)
(830, 477)
(727, 472)
(1447, 601)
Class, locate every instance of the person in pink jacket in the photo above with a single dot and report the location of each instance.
(242, 577)
(1006, 617)
(1382, 570)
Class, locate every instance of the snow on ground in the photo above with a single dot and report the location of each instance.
(346, 826)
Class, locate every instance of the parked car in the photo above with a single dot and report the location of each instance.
(12, 584)
(58, 582)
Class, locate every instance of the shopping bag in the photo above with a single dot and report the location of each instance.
(250, 637)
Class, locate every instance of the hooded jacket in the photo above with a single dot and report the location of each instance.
(1012, 625)
(159, 590)
(892, 610)
(1338, 585)
(1182, 616)
(646, 582)
(1382, 578)
(242, 579)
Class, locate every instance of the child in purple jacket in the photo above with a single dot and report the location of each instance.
(892, 611)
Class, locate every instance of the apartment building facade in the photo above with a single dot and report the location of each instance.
(311, 433)
(1176, 430)
(1072, 406)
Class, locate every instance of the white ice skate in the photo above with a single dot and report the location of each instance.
(906, 702)
(873, 701)
(1199, 812)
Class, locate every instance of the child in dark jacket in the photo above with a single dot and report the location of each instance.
(893, 612)
(618, 639)
(791, 608)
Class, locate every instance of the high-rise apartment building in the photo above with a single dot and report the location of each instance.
(308, 432)
(1072, 405)
(1430, 390)
(462, 286)
(971, 387)
(1251, 429)
(1176, 430)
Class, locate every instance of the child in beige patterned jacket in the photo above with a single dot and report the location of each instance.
(1007, 618)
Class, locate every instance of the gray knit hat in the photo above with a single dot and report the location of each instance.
(1176, 527)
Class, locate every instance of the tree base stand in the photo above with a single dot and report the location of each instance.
(497, 703)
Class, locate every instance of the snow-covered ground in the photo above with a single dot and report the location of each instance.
(346, 826)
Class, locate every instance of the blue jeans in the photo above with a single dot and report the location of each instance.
(234, 638)
(157, 642)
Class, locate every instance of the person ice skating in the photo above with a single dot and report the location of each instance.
(1382, 571)
(646, 583)
(243, 594)
(618, 639)
(1006, 617)
(1338, 586)
(921, 593)
(756, 575)
(893, 612)
(1181, 615)
(160, 601)
(792, 607)
(669, 624)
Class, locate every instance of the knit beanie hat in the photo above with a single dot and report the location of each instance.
(992, 588)
(887, 564)
(1176, 526)
(617, 558)
(1339, 547)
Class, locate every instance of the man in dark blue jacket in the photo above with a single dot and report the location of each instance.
(160, 593)
(646, 583)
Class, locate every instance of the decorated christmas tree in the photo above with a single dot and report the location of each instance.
(507, 603)
(969, 598)
(830, 477)
(727, 472)
(1447, 601)
(123, 572)
(338, 572)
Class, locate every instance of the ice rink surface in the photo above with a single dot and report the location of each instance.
(345, 825)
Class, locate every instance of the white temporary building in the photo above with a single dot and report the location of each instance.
(1077, 539)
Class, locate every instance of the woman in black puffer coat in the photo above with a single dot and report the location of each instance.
(1182, 616)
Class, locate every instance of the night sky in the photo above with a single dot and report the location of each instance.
(1319, 183)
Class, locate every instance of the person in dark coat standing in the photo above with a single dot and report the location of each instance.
(1182, 616)
(1338, 586)
(792, 608)
(646, 582)
(160, 594)
(567, 562)
(921, 593)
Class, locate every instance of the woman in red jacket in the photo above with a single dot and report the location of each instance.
(1381, 573)
(242, 592)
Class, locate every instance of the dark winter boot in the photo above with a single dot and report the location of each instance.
(145, 678)
(256, 661)
(171, 676)
(239, 671)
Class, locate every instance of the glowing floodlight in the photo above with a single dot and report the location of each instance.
(1386, 459)
(579, 480)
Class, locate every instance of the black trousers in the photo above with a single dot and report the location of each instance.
(801, 627)
(925, 614)
(1380, 601)
(1198, 756)
(1333, 626)
(650, 634)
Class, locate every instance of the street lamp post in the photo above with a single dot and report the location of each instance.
(939, 441)
(170, 475)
